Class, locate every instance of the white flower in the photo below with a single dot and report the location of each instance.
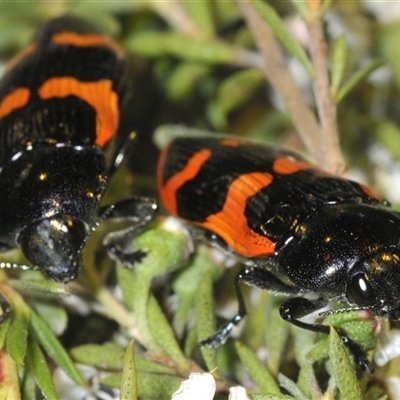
(197, 387)
(202, 387)
(238, 393)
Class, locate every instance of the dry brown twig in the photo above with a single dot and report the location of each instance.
(326, 105)
(320, 137)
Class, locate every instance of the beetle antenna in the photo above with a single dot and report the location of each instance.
(343, 310)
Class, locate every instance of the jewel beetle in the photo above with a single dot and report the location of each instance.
(60, 104)
(300, 231)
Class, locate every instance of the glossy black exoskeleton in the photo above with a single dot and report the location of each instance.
(59, 117)
(301, 232)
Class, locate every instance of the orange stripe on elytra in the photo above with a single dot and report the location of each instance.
(99, 95)
(16, 99)
(191, 169)
(231, 223)
(285, 166)
(86, 40)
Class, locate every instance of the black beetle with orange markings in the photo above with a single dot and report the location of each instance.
(59, 117)
(304, 231)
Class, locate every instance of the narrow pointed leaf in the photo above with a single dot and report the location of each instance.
(155, 44)
(43, 287)
(28, 386)
(111, 356)
(357, 77)
(238, 88)
(339, 58)
(17, 336)
(150, 386)
(129, 378)
(202, 14)
(256, 369)
(274, 21)
(3, 332)
(184, 78)
(38, 364)
(343, 369)
(101, 356)
(291, 387)
(164, 335)
(54, 349)
(205, 317)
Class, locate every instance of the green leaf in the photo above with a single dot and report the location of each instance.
(17, 334)
(165, 251)
(202, 13)
(291, 387)
(387, 133)
(307, 381)
(184, 78)
(107, 356)
(387, 36)
(38, 364)
(343, 369)
(164, 335)
(238, 88)
(111, 356)
(360, 329)
(276, 338)
(129, 378)
(54, 349)
(216, 116)
(40, 287)
(187, 283)
(263, 396)
(226, 12)
(155, 44)
(339, 58)
(3, 331)
(256, 369)
(302, 8)
(356, 78)
(205, 317)
(150, 386)
(274, 21)
(28, 385)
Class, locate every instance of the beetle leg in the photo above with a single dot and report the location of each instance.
(140, 211)
(255, 276)
(293, 309)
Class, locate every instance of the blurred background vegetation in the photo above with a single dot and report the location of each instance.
(319, 77)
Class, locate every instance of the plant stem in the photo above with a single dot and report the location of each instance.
(277, 73)
(326, 105)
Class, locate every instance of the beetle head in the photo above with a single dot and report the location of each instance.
(55, 246)
(374, 283)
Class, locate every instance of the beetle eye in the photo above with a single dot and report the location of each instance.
(360, 291)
